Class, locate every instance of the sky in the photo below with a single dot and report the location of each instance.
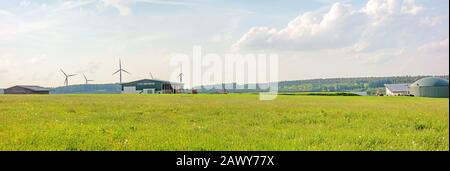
(313, 39)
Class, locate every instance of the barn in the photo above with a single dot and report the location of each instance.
(430, 87)
(397, 89)
(152, 86)
(27, 90)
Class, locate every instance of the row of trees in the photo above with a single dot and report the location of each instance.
(369, 84)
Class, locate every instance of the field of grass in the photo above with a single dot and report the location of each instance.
(222, 122)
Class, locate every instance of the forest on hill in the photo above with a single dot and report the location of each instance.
(357, 84)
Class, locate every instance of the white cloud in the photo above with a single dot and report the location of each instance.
(167, 2)
(18, 30)
(71, 4)
(380, 56)
(7, 63)
(25, 3)
(7, 20)
(379, 24)
(91, 68)
(436, 46)
(432, 21)
(410, 7)
(123, 6)
(391, 7)
(37, 76)
(308, 31)
(226, 35)
(38, 59)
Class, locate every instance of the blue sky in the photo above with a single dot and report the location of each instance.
(314, 39)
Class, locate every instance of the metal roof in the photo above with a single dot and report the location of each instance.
(397, 87)
(33, 88)
(430, 82)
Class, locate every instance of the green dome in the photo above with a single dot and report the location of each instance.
(430, 82)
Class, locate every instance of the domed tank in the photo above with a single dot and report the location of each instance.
(430, 87)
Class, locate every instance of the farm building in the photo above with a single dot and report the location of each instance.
(2, 91)
(151, 86)
(430, 87)
(26, 90)
(397, 89)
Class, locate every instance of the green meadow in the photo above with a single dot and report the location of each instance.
(222, 122)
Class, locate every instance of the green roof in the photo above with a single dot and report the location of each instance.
(430, 82)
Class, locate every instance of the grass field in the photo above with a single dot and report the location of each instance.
(222, 122)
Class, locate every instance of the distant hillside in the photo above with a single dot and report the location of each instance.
(88, 89)
(364, 84)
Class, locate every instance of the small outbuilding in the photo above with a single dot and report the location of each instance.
(397, 89)
(27, 90)
(430, 87)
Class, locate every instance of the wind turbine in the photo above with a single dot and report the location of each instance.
(66, 81)
(181, 75)
(151, 75)
(87, 81)
(120, 71)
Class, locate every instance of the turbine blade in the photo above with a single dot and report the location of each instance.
(72, 75)
(116, 72)
(125, 71)
(63, 72)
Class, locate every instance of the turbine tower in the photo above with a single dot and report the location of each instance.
(120, 71)
(66, 81)
(87, 81)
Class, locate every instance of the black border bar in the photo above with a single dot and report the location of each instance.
(283, 159)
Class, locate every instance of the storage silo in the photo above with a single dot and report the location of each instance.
(430, 87)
